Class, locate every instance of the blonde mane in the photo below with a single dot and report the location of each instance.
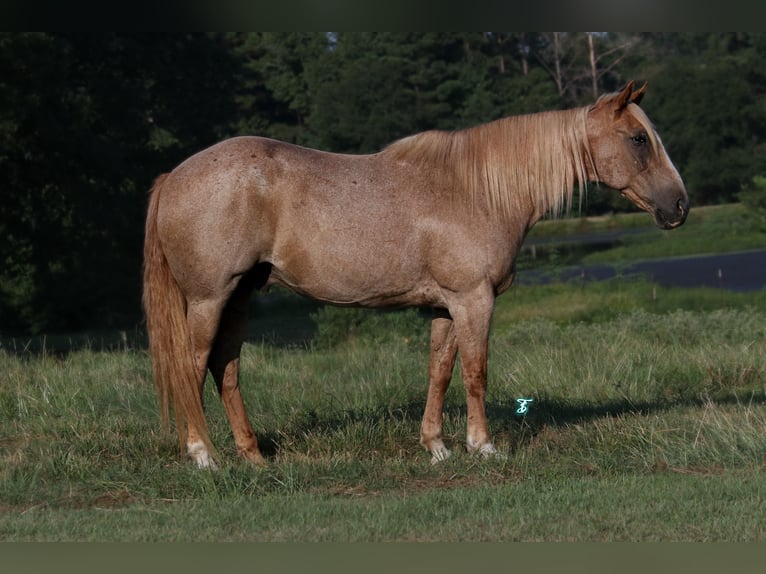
(510, 164)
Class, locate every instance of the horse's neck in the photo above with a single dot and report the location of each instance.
(525, 167)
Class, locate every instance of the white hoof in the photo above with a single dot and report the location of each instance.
(439, 452)
(440, 455)
(200, 455)
(487, 450)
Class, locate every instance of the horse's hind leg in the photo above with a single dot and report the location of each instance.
(224, 365)
(203, 318)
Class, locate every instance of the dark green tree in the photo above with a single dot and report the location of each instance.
(277, 80)
(88, 121)
(708, 102)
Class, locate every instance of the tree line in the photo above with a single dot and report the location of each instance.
(88, 120)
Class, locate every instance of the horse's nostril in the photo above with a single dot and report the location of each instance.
(681, 206)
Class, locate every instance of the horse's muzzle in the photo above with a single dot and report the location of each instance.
(673, 218)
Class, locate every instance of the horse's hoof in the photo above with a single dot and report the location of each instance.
(440, 455)
(487, 450)
(200, 455)
(253, 457)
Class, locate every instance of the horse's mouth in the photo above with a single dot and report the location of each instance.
(663, 219)
(676, 219)
(670, 224)
(663, 223)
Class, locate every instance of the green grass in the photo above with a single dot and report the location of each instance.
(648, 424)
(733, 227)
(730, 225)
(710, 508)
(596, 301)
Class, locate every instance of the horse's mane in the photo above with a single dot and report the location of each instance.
(511, 164)
(514, 163)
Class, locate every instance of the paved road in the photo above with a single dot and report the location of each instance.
(743, 271)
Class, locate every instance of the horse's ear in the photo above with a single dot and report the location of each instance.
(624, 97)
(635, 97)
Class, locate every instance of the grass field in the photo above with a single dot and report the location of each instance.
(648, 423)
(734, 227)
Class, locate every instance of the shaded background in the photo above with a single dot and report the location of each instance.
(88, 120)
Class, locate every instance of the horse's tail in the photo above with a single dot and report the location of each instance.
(175, 375)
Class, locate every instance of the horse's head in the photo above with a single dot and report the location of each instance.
(628, 156)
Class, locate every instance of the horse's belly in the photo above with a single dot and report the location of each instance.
(361, 286)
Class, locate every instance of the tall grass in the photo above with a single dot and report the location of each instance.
(648, 424)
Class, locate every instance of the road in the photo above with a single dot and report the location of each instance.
(742, 271)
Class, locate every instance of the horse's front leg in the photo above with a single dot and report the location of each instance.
(441, 365)
(472, 321)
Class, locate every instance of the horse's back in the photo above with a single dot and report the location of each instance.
(352, 229)
(250, 199)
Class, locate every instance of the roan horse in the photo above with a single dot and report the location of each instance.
(436, 220)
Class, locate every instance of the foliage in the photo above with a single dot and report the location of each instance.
(88, 121)
(753, 197)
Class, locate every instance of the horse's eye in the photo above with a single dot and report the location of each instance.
(639, 139)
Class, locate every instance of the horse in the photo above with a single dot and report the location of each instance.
(434, 220)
